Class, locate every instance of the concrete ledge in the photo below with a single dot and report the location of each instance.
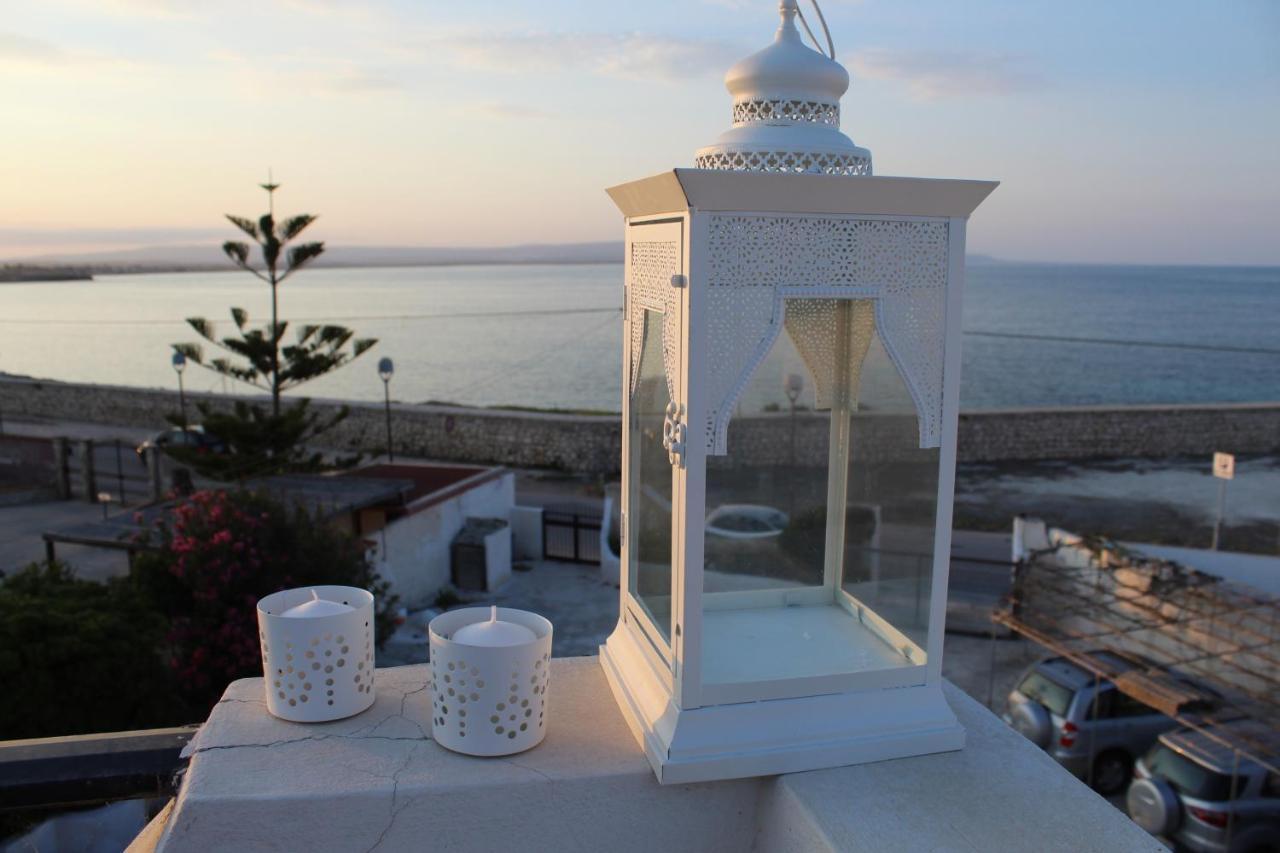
(377, 782)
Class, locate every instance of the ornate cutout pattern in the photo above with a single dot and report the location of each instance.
(757, 261)
(812, 325)
(785, 161)
(774, 111)
(652, 266)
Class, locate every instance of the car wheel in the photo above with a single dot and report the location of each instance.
(1154, 806)
(1111, 773)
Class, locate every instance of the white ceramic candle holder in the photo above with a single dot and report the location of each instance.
(318, 662)
(489, 699)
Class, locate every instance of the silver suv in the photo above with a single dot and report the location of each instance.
(1183, 792)
(1054, 707)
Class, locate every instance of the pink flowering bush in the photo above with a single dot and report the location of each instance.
(206, 566)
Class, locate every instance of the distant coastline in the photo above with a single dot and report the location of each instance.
(15, 273)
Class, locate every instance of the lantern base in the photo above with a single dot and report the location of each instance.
(764, 738)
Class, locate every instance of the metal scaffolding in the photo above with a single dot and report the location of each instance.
(1198, 648)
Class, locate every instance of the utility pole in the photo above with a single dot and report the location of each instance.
(387, 369)
(1224, 469)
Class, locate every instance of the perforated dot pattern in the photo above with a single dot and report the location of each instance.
(317, 669)
(489, 701)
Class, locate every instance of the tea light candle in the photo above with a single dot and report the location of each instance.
(493, 633)
(317, 652)
(317, 606)
(489, 680)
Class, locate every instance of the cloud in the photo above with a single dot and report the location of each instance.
(21, 49)
(499, 110)
(355, 81)
(628, 55)
(931, 75)
(260, 77)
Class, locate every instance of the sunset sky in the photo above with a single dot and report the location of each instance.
(1137, 131)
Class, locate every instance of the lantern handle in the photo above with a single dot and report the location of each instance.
(830, 52)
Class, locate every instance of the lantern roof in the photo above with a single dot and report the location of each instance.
(683, 189)
(786, 111)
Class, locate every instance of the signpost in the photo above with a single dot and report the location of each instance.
(1224, 468)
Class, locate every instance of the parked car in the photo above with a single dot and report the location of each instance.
(746, 521)
(192, 437)
(1182, 792)
(1054, 707)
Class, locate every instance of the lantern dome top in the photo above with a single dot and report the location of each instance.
(786, 111)
(787, 68)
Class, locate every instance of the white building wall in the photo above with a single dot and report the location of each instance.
(416, 550)
(526, 532)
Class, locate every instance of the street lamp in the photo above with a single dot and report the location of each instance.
(386, 369)
(179, 365)
(793, 385)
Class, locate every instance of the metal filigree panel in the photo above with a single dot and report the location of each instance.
(790, 110)
(653, 264)
(756, 262)
(795, 162)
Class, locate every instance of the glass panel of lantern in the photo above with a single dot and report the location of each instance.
(648, 542)
(819, 533)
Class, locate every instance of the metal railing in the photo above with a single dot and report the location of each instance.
(79, 770)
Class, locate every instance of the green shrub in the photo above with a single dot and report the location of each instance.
(805, 537)
(78, 656)
(206, 566)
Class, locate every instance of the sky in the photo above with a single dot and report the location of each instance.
(1144, 131)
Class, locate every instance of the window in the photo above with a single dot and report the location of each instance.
(1104, 707)
(1187, 776)
(1127, 706)
(1048, 693)
(1271, 785)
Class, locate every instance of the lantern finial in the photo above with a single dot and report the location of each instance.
(786, 109)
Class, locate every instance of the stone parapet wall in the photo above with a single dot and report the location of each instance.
(592, 444)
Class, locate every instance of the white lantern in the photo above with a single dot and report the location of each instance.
(784, 568)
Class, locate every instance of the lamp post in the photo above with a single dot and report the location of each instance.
(793, 385)
(179, 365)
(782, 230)
(386, 369)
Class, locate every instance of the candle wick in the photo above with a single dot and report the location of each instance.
(493, 613)
(315, 596)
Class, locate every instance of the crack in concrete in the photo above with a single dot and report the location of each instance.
(287, 741)
(404, 698)
(535, 771)
(395, 793)
(578, 843)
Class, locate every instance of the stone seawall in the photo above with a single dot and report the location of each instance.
(592, 443)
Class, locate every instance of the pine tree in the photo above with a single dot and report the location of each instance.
(257, 355)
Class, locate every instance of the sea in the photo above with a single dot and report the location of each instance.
(550, 337)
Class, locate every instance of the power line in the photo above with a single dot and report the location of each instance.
(1125, 343)
(528, 361)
